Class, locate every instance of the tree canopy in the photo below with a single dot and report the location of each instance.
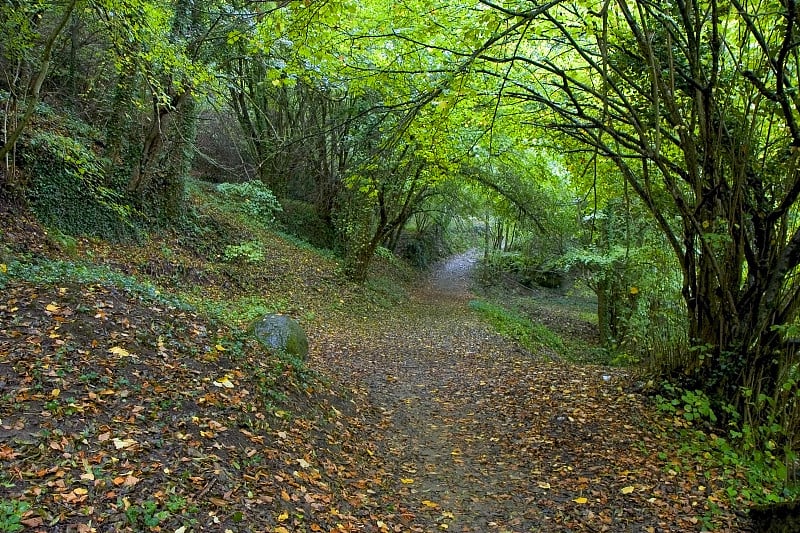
(677, 121)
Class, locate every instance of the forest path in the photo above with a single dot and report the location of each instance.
(472, 434)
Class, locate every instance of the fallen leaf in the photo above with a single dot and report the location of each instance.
(34, 521)
(627, 490)
(120, 351)
(283, 517)
(121, 444)
(543, 485)
(53, 308)
(225, 382)
(7, 453)
(580, 500)
(406, 481)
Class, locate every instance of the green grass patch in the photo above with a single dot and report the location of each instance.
(55, 271)
(509, 324)
(241, 311)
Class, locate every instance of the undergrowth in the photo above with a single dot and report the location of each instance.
(529, 335)
(752, 474)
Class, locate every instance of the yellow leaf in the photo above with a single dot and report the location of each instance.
(80, 491)
(580, 500)
(55, 392)
(120, 351)
(219, 348)
(430, 504)
(52, 308)
(406, 481)
(225, 382)
(3, 268)
(627, 490)
(120, 444)
(280, 529)
(543, 485)
(284, 516)
(303, 463)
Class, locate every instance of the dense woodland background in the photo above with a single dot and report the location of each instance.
(647, 149)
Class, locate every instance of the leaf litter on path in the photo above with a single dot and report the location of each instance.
(478, 435)
(123, 414)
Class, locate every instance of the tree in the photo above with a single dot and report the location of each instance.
(24, 23)
(695, 103)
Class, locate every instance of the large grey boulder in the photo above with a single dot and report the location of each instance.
(281, 333)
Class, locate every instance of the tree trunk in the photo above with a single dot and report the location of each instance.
(36, 84)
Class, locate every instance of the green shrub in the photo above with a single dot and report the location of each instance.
(248, 252)
(11, 512)
(68, 189)
(302, 220)
(253, 198)
(421, 249)
(509, 324)
(756, 470)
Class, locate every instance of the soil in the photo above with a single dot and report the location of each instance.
(484, 437)
(122, 411)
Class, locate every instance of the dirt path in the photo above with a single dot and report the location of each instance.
(475, 436)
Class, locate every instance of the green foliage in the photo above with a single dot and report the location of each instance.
(641, 313)
(66, 243)
(530, 335)
(302, 220)
(524, 269)
(239, 312)
(50, 272)
(68, 189)
(755, 470)
(693, 406)
(146, 515)
(11, 513)
(253, 198)
(250, 252)
(421, 248)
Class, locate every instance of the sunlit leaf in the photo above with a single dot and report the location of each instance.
(120, 351)
(121, 444)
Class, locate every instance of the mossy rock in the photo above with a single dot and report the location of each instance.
(281, 333)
